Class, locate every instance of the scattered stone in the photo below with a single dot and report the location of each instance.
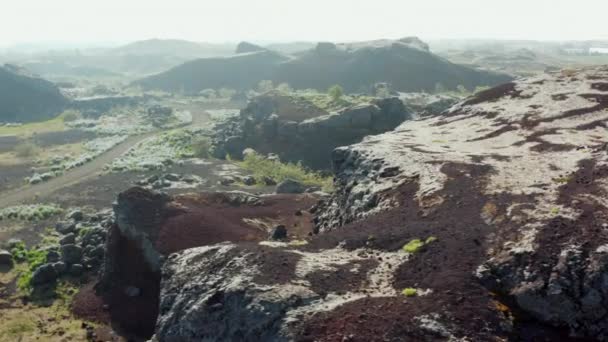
(76, 215)
(65, 227)
(60, 267)
(52, 256)
(44, 274)
(268, 181)
(68, 239)
(248, 180)
(6, 258)
(132, 291)
(172, 177)
(71, 254)
(290, 186)
(227, 180)
(76, 269)
(278, 233)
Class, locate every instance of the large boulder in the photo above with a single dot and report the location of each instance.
(6, 258)
(290, 186)
(43, 275)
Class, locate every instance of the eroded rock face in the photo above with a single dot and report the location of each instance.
(151, 225)
(296, 129)
(542, 143)
(243, 300)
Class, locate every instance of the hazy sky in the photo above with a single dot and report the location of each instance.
(78, 21)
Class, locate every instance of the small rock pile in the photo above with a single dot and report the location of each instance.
(170, 180)
(80, 249)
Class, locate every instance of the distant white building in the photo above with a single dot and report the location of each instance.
(598, 50)
(575, 51)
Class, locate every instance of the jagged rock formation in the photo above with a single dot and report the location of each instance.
(24, 97)
(298, 130)
(406, 63)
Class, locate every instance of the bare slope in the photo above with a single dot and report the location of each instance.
(25, 97)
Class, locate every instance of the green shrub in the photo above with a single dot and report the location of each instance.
(26, 150)
(335, 92)
(415, 245)
(32, 258)
(201, 147)
(71, 115)
(226, 93)
(410, 292)
(278, 171)
(265, 86)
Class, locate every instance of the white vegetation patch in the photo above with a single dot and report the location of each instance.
(156, 153)
(94, 149)
(432, 325)
(378, 281)
(31, 212)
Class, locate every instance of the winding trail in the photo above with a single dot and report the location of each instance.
(29, 193)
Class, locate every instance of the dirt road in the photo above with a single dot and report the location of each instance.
(30, 192)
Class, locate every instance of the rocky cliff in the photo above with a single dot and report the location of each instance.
(24, 97)
(298, 130)
(488, 223)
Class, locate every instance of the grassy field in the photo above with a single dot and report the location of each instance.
(36, 322)
(41, 153)
(278, 171)
(28, 129)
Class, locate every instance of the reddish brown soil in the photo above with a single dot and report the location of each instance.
(446, 266)
(587, 229)
(209, 219)
(89, 306)
(494, 94)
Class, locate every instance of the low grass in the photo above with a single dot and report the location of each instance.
(28, 260)
(201, 147)
(49, 321)
(26, 150)
(278, 171)
(28, 129)
(328, 103)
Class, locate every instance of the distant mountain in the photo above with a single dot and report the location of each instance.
(407, 64)
(24, 97)
(242, 71)
(173, 47)
(245, 47)
(56, 68)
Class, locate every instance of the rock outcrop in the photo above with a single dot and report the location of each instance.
(297, 130)
(24, 97)
(150, 226)
(534, 153)
(405, 63)
(486, 223)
